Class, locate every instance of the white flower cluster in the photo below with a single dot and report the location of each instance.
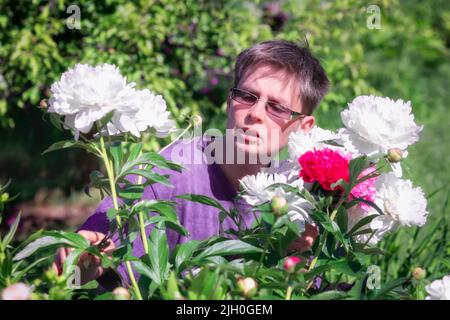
(85, 94)
(373, 126)
(439, 289)
(402, 204)
(257, 192)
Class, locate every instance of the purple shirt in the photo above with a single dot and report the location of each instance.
(201, 221)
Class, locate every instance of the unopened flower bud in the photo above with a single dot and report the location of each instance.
(43, 104)
(290, 263)
(197, 120)
(17, 291)
(395, 155)
(120, 293)
(279, 205)
(419, 273)
(247, 286)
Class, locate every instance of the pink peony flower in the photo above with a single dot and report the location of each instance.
(324, 166)
(290, 262)
(17, 291)
(328, 166)
(365, 189)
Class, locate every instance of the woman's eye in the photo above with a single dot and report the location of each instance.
(277, 108)
(248, 97)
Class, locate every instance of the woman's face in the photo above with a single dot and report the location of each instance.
(256, 131)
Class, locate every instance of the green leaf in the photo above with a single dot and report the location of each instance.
(330, 295)
(5, 186)
(184, 252)
(150, 158)
(370, 203)
(70, 144)
(158, 255)
(71, 261)
(105, 119)
(350, 268)
(152, 176)
(387, 287)
(226, 248)
(55, 119)
(76, 239)
(361, 223)
(203, 200)
(10, 235)
(135, 151)
(131, 191)
(43, 242)
(115, 149)
(342, 219)
(356, 167)
(20, 274)
(176, 226)
(165, 208)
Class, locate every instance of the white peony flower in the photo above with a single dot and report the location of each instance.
(439, 289)
(85, 94)
(149, 111)
(376, 124)
(401, 202)
(300, 142)
(255, 186)
(380, 225)
(256, 193)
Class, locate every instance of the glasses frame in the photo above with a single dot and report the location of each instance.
(294, 114)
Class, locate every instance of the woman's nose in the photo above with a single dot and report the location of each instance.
(258, 111)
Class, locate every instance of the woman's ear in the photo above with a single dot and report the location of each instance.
(307, 124)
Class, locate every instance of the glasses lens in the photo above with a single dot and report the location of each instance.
(243, 97)
(278, 111)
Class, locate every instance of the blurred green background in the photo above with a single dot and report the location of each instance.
(185, 50)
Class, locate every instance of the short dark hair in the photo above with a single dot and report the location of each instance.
(297, 60)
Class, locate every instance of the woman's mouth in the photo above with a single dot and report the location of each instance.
(249, 135)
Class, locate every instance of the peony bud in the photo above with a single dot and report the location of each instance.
(395, 155)
(17, 291)
(43, 104)
(419, 273)
(290, 263)
(247, 286)
(196, 120)
(279, 205)
(120, 293)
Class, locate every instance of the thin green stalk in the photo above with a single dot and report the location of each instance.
(266, 246)
(177, 138)
(142, 222)
(288, 293)
(110, 173)
(322, 242)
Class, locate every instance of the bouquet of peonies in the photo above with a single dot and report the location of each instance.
(358, 169)
(346, 184)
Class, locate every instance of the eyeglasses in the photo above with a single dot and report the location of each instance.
(272, 108)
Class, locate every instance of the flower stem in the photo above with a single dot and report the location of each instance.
(288, 293)
(266, 246)
(322, 242)
(142, 221)
(110, 172)
(177, 138)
